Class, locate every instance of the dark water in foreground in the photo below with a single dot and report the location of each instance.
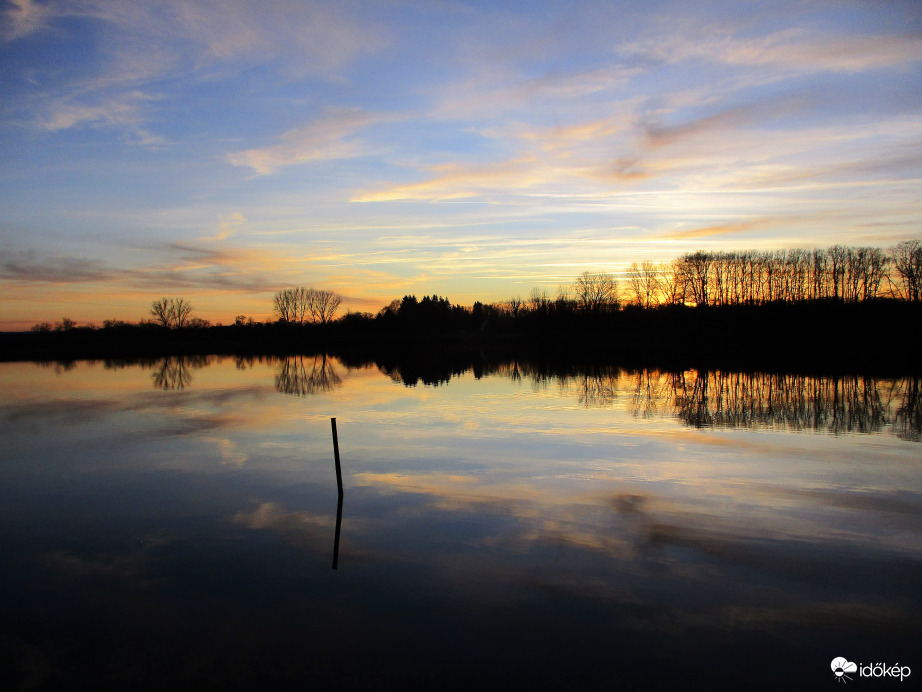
(173, 526)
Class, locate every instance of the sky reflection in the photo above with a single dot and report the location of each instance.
(493, 510)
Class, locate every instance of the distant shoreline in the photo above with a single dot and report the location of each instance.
(820, 336)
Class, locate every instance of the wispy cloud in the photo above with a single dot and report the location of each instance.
(228, 224)
(716, 230)
(63, 116)
(328, 138)
(790, 50)
(22, 18)
(323, 37)
(457, 181)
(491, 146)
(171, 266)
(31, 265)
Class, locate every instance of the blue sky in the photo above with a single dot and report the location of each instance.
(222, 150)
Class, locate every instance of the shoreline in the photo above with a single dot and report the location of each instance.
(815, 337)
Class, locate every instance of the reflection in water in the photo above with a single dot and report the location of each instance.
(907, 421)
(599, 387)
(306, 375)
(339, 525)
(339, 487)
(831, 404)
(508, 538)
(175, 372)
(794, 402)
(834, 404)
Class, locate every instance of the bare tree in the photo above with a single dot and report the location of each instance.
(294, 304)
(907, 260)
(837, 259)
(290, 304)
(538, 300)
(595, 291)
(514, 305)
(181, 311)
(697, 270)
(635, 284)
(646, 283)
(322, 305)
(674, 282)
(160, 309)
(172, 313)
(875, 272)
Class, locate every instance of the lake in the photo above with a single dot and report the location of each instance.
(174, 524)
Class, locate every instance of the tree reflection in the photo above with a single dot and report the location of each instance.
(306, 375)
(598, 387)
(175, 372)
(907, 421)
(835, 404)
(650, 391)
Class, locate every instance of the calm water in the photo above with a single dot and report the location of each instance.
(174, 524)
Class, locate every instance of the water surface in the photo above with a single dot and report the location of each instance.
(173, 523)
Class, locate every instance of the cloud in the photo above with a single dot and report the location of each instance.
(168, 267)
(491, 95)
(31, 265)
(457, 181)
(57, 412)
(227, 226)
(798, 50)
(727, 228)
(23, 18)
(318, 37)
(311, 37)
(326, 139)
(64, 116)
(187, 266)
(271, 515)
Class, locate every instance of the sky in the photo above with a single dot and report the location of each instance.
(221, 150)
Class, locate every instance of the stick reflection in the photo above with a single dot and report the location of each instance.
(339, 487)
(339, 523)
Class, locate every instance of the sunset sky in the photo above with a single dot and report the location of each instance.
(220, 150)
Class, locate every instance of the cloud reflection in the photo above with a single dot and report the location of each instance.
(515, 507)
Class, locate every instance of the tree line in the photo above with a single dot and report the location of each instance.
(703, 278)
(848, 274)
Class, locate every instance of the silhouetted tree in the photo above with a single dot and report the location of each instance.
(907, 261)
(116, 324)
(645, 283)
(322, 305)
(674, 284)
(294, 304)
(171, 313)
(290, 304)
(538, 301)
(514, 305)
(594, 292)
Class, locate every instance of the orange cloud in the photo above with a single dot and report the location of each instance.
(325, 139)
(724, 229)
